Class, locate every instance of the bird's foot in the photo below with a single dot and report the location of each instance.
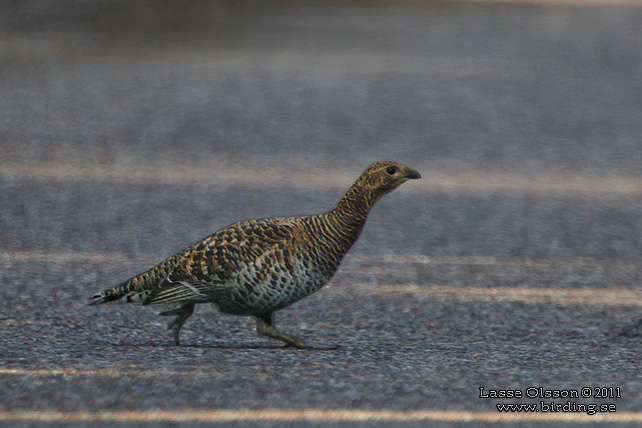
(265, 327)
(295, 342)
(181, 314)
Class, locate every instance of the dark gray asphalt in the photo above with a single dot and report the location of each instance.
(524, 119)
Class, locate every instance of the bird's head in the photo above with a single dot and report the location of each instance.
(381, 178)
(377, 180)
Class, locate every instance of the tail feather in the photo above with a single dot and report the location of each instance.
(113, 296)
(134, 290)
(98, 299)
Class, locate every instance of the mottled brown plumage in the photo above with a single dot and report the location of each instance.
(256, 267)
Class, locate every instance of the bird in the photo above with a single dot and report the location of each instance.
(260, 266)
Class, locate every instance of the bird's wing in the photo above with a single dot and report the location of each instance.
(170, 292)
(210, 267)
(199, 276)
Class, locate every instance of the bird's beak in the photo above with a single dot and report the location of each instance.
(413, 175)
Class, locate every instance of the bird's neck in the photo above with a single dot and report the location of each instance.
(340, 227)
(352, 210)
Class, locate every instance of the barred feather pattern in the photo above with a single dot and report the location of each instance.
(136, 289)
(256, 267)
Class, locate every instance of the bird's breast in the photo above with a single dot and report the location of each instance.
(267, 286)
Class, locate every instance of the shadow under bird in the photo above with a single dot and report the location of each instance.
(257, 267)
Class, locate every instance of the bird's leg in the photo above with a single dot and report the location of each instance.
(182, 314)
(265, 327)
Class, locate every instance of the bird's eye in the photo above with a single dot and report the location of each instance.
(391, 170)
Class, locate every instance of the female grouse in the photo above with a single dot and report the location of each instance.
(256, 267)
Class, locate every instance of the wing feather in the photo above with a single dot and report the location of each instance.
(208, 270)
(177, 292)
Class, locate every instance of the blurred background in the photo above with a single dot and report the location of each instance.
(129, 130)
(532, 88)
